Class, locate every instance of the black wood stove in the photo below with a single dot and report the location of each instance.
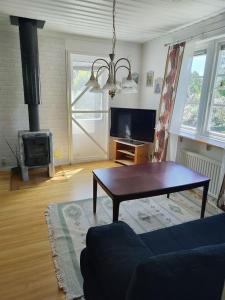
(35, 145)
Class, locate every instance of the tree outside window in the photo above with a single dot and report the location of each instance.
(190, 115)
(204, 109)
(216, 122)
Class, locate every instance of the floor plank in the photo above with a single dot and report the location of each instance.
(26, 267)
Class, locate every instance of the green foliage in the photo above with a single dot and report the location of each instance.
(190, 116)
(194, 93)
(195, 86)
(218, 120)
(222, 92)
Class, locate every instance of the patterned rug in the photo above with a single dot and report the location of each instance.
(68, 224)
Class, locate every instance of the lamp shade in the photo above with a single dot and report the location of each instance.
(109, 85)
(92, 82)
(96, 89)
(129, 84)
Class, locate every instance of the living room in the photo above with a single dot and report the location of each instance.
(104, 102)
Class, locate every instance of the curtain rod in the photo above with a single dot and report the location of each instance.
(193, 37)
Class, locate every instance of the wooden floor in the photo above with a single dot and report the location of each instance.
(26, 268)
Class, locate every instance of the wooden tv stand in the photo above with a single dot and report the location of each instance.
(128, 152)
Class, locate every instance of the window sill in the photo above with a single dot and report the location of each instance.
(202, 139)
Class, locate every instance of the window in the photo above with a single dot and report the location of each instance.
(190, 115)
(216, 124)
(204, 109)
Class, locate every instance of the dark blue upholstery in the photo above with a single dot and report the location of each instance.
(187, 235)
(190, 274)
(118, 264)
(91, 285)
(115, 251)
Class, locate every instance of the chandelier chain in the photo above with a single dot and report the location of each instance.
(114, 28)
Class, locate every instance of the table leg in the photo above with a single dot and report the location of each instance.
(116, 206)
(204, 198)
(94, 195)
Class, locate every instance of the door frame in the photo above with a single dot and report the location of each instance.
(68, 57)
(68, 96)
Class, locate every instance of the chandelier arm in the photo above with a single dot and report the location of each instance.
(122, 66)
(123, 58)
(98, 59)
(100, 69)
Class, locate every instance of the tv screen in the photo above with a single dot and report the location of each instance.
(135, 124)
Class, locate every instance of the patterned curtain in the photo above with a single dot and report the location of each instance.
(168, 95)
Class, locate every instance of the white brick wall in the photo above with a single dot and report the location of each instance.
(13, 114)
(53, 110)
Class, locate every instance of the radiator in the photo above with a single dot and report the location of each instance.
(204, 165)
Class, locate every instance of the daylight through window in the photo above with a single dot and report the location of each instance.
(204, 109)
(190, 115)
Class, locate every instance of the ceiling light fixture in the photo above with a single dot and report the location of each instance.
(112, 85)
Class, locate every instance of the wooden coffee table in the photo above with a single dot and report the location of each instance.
(147, 180)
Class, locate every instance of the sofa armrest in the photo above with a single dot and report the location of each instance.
(114, 251)
(191, 274)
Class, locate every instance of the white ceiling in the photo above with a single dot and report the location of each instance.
(136, 20)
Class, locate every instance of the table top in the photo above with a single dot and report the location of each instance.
(150, 177)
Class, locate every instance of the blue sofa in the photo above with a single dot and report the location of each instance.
(185, 262)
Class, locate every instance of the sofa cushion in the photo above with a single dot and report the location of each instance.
(196, 274)
(90, 285)
(188, 235)
(114, 251)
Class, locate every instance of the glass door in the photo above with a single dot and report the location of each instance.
(89, 115)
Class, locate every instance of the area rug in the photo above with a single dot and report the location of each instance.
(68, 224)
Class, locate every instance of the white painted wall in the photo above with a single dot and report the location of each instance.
(53, 110)
(154, 55)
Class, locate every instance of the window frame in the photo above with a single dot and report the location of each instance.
(208, 132)
(186, 128)
(202, 132)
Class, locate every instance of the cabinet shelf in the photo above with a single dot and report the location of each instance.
(127, 153)
(126, 162)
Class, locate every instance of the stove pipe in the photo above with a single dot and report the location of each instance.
(30, 66)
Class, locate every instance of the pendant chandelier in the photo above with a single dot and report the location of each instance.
(112, 85)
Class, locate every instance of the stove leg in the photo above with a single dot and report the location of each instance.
(51, 170)
(24, 173)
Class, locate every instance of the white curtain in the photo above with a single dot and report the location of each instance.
(180, 101)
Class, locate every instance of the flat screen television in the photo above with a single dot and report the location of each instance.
(134, 124)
